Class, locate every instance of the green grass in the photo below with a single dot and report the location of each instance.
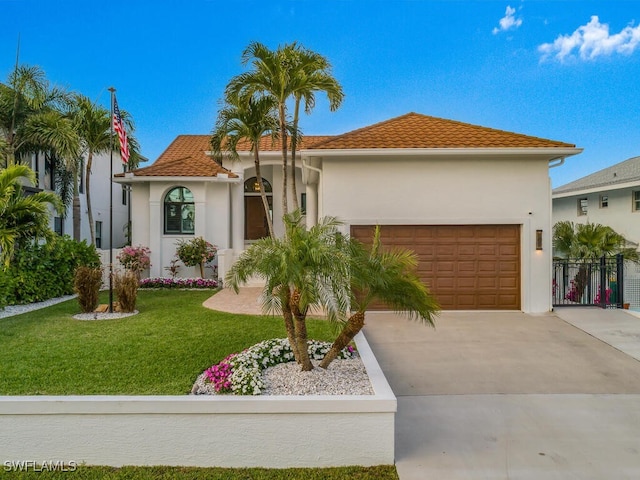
(160, 351)
(385, 472)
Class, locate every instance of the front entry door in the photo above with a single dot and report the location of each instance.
(255, 220)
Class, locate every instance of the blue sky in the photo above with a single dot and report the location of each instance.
(544, 68)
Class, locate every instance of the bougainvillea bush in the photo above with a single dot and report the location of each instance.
(135, 259)
(241, 373)
(176, 283)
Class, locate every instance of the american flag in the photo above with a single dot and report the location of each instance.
(118, 127)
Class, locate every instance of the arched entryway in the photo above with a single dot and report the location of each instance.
(255, 220)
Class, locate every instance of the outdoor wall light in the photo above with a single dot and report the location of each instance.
(538, 239)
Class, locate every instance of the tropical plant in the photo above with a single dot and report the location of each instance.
(590, 241)
(383, 275)
(86, 283)
(125, 285)
(22, 217)
(305, 269)
(585, 243)
(313, 75)
(196, 251)
(251, 120)
(291, 71)
(31, 116)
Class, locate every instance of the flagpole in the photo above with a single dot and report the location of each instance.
(112, 90)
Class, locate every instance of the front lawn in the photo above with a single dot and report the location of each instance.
(160, 351)
(384, 472)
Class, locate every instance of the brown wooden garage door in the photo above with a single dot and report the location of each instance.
(467, 267)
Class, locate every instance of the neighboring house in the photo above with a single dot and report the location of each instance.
(610, 197)
(474, 203)
(47, 168)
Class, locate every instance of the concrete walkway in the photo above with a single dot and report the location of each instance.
(504, 395)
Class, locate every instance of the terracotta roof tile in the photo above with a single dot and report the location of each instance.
(414, 130)
(186, 156)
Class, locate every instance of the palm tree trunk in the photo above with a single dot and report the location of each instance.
(87, 186)
(283, 136)
(350, 330)
(301, 332)
(263, 194)
(288, 321)
(294, 142)
(76, 211)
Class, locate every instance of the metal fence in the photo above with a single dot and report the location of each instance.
(596, 283)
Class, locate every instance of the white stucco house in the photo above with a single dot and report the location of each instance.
(47, 168)
(610, 196)
(473, 202)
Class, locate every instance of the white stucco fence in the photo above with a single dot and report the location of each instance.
(223, 431)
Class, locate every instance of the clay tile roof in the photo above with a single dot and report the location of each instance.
(414, 130)
(186, 157)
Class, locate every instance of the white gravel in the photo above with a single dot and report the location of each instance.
(18, 309)
(343, 377)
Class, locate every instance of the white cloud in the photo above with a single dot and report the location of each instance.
(591, 41)
(508, 22)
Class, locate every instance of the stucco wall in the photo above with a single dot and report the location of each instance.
(450, 190)
(220, 430)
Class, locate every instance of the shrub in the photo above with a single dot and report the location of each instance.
(39, 272)
(126, 288)
(86, 284)
(176, 283)
(135, 259)
(196, 251)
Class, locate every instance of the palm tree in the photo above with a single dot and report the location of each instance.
(389, 276)
(250, 120)
(305, 269)
(590, 241)
(92, 124)
(22, 217)
(313, 75)
(282, 74)
(585, 243)
(31, 118)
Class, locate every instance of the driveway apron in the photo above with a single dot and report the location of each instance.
(505, 395)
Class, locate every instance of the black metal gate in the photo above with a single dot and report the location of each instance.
(589, 283)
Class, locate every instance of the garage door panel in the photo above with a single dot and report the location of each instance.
(465, 266)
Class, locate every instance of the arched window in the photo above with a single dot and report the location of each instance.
(252, 186)
(179, 211)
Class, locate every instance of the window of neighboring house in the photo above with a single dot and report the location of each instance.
(49, 171)
(303, 203)
(604, 201)
(636, 201)
(36, 169)
(81, 186)
(98, 234)
(58, 226)
(125, 193)
(582, 206)
(179, 212)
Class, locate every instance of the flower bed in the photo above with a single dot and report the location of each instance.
(176, 283)
(241, 373)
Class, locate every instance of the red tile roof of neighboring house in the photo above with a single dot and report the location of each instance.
(414, 130)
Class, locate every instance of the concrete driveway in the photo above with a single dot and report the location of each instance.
(512, 396)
